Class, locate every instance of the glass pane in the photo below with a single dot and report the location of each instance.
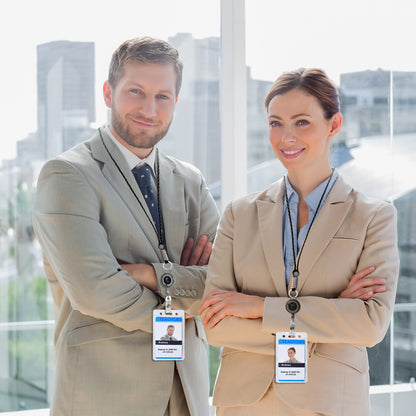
(405, 346)
(404, 168)
(27, 370)
(52, 100)
(379, 358)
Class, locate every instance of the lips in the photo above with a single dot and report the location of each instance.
(291, 153)
(143, 122)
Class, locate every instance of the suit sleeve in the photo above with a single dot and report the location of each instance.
(67, 224)
(233, 332)
(188, 283)
(352, 321)
(325, 320)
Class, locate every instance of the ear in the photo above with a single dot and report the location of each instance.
(107, 92)
(335, 124)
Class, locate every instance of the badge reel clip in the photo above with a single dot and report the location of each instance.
(167, 280)
(291, 347)
(293, 305)
(168, 325)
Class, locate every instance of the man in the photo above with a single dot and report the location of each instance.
(169, 334)
(111, 258)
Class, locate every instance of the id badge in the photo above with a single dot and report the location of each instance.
(291, 357)
(168, 335)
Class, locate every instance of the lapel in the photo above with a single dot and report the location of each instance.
(326, 224)
(270, 212)
(174, 209)
(126, 187)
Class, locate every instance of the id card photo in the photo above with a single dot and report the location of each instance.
(291, 357)
(168, 335)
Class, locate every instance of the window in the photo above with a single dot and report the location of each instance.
(57, 60)
(375, 150)
(52, 97)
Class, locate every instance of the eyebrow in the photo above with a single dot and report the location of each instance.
(138, 85)
(293, 117)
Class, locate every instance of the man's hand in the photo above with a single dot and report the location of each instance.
(198, 255)
(144, 274)
(362, 287)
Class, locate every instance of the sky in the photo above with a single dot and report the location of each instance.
(338, 36)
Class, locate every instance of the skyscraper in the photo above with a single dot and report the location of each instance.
(66, 99)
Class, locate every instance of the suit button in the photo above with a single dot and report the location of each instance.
(193, 293)
(182, 292)
(188, 292)
(176, 292)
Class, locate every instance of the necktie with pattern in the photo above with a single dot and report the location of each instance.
(143, 178)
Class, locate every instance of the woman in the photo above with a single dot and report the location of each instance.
(330, 233)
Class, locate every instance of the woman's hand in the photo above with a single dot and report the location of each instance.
(221, 303)
(362, 287)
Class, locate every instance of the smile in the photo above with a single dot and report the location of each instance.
(289, 154)
(142, 123)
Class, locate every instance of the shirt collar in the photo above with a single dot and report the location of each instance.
(131, 159)
(313, 198)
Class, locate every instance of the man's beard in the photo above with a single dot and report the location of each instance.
(142, 140)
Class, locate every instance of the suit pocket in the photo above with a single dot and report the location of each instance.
(354, 357)
(98, 331)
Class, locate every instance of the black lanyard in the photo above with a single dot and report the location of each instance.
(293, 293)
(161, 243)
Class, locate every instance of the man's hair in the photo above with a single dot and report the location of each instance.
(145, 50)
(171, 326)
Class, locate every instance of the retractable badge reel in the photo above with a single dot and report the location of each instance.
(292, 346)
(168, 326)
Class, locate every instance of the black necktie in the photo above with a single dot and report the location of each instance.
(143, 177)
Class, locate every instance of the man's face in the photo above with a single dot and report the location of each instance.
(171, 331)
(142, 105)
(291, 354)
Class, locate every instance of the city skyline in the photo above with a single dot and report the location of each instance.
(282, 29)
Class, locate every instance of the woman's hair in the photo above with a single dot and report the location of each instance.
(313, 82)
(145, 50)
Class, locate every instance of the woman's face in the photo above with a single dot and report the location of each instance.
(299, 133)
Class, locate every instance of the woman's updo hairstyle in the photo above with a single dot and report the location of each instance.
(312, 81)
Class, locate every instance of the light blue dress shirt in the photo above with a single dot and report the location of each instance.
(312, 200)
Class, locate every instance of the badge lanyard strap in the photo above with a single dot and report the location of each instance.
(293, 304)
(167, 264)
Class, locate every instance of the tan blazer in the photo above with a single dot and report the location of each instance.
(86, 219)
(350, 233)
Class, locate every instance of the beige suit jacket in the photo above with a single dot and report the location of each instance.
(350, 233)
(86, 219)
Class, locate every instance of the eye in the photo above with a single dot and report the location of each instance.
(275, 123)
(302, 123)
(163, 97)
(135, 91)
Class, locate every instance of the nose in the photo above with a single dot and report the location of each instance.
(288, 135)
(148, 107)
